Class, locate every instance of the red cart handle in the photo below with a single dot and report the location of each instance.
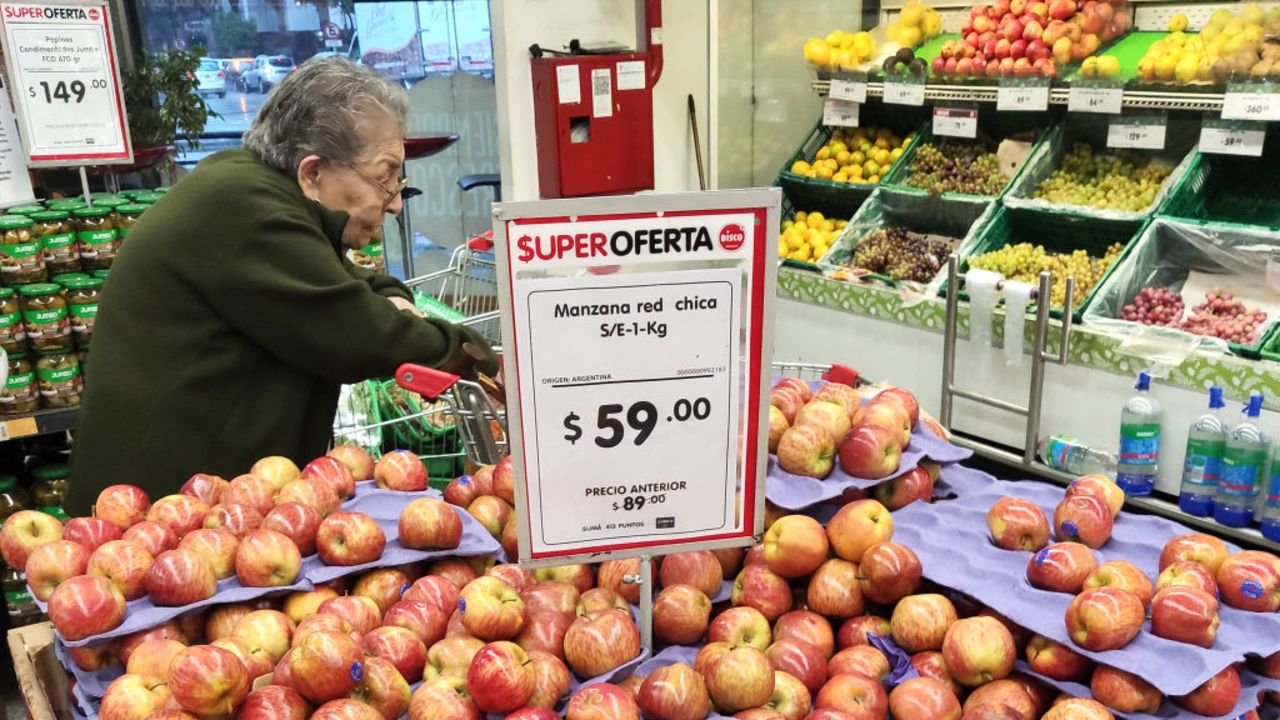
(841, 374)
(427, 382)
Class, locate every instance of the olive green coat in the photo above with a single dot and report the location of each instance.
(226, 327)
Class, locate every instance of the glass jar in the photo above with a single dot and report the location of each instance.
(96, 234)
(63, 278)
(58, 243)
(126, 217)
(49, 483)
(147, 198)
(101, 274)
(82, 305)
(45, 316)
(20, 394)
(58, 374)
(27, 210)
(20, 260)
(82, 354)
(67, 204)
(13, 334)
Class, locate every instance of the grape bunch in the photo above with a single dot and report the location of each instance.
(1220, 315)
(900, 254)
(953, 166)
(1024, 262)
(1123, 180)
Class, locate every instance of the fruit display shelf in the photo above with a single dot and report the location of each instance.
(1194, 98)
(1227, 191)
(971, 564)
(40, 422)
(1128, 51)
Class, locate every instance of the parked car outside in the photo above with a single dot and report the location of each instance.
(235, 69)
(267, 71)
(210, 78)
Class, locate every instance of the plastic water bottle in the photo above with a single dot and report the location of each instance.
(1139, 440)
(1243, 465)
(1202, 467)
(1068, 454)
(1271, 506)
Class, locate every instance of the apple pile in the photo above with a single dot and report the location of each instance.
(1029, 38)
(256, 527)
(807, 429)
(489, 496)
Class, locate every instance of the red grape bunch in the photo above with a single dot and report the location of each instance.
(1220, 315)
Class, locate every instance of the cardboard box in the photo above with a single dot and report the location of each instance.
(41, 678)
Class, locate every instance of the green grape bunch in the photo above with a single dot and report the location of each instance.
(954, 166)
(1024, 262)
(1123, 180)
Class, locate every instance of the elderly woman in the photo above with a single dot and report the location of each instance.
(232, 316)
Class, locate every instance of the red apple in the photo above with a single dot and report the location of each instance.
(315, 494)
(906, 399)
(857, 526)
(433, 589)
(23, 532)
(180, 577)
(461, 491)
(274, 702)
(383, 586)
(872, 451)
(1217, 696)
(429, 524)
(777, 426)
(1124, 691)
(491, 609)
(250, 491)
(1121, 574)
(799, 386)
(1101, 487)
(267, 558)
(1061, 567)
(153, 657)
(218, 545)
(359, 612)
(84, 606)
(297, 522)
(134, 697)
(790, 699)
(167, 631)
(740, 678)
(299, 605)
(544, 630)
(358, 462)
(551, 595)
(207, 680)
(835, 591)
(325, 666)
(265, 630)
(346, 709)
(500, 678)
(1055, 660)
(915, 484)
(857, 695)
(276, 470)
(681, 614)
(1084, 519)
(931, 665)
(443, 698)
(504, 480)
(236, 519)
(349, 538)
(1069, 708)
(424, 619)
(600, 599)
(383, 688)
(978, 650)
(403, 649)
(597, 643)
(182, 513)
(332, 472)
(52, 563)
(787, 401)
(920, 622)
(513, 575)
(741, 626)
(794, 546)
(700, 569)
(451, 657)
(761, 589)
(923, 699)
(806, 627)
(1250, 580)
(1006, 693)
(154, 537)
(674, 692)
(1185, 614)
(824, 414)
(854, 631)
(844, 396)
(551, 680)
(579, 576)
(90, 658)
(602, 702)
(1017, 524)
(400, 470)
(889, 572)
(1104, 618)
(490, 511)
(122, 505)
(1200, 548)
(256, 664)
(221, 621)
(807, 450)
(1185, 572)
(799, 660)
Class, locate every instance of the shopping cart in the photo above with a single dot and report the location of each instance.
(445, 420)
(831, 372)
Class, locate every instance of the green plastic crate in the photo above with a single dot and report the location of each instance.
(787, 210)
(1271, 344)
(1229, 190)
(915, 212)
(1165, 254)
(844, 199)
(436, 442)
(1058, 232)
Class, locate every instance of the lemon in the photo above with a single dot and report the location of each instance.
(857, 157)
(1178, 22)
(1089, 68)
(840, 177)
(849, 41)
(799, 167)
(1177, 38)
(870, 169)
(897, 153)
(1204, 70)
(1252, 14)
(932, 24)
(909, 37)
(818, 52)
(824, 152)
(863, 44)
(842, 157)
(1165, 67)
(1108, 66)
(912, 14)
(815, 219)
(834, 37)
(1185, 71)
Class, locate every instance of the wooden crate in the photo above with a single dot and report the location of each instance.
(41, 678)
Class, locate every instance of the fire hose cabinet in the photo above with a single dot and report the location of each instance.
(593, 117)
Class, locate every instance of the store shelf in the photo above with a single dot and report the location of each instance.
(41, 422)
(1146, 99)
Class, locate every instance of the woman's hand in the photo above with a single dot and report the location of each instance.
(402, 304)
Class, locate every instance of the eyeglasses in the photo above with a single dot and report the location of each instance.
(392, 192)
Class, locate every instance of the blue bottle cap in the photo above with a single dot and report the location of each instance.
(1144, 381)
(1254, 408)
(1215, 398)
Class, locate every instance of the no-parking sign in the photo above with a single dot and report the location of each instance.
(638, 337)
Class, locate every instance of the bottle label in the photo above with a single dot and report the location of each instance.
(19, 382)
(1203, 466)
(1059, 451)
(10, 319)
(1242, 472)
(1140, 444)
(59, 247)
(16, 599)
(98, 243)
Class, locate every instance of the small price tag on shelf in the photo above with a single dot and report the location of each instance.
(1023, 96)
(1095, 99)
(960, 122)
(18, 428)
(1251, 102)
(1239, 138)
(840, 113)
(848, 89)
(1137, 133)
(897, 92)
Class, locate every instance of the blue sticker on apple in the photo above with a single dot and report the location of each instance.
(403, 589)
(357, 671)
(1042, 556)
(462, 605)
(464, 479)
(1069, 528)
(1251, 589)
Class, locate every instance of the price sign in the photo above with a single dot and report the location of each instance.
(1251, 102)
(903, 93)
(854, 91)
(1244, 139)
(955, 122)
(636, 371)
(1022, 96)
(840, 113)
(1133, 134)
(1095, 99)
(65, 83)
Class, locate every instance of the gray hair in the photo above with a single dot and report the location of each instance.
(323, 109)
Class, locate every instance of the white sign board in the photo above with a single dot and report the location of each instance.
(1136, 135)
(840, 113)
(1249, 104)
(1106, 100)
(65, 82)
(1246, 140)
(637, 337)
(15, 181)
(955, 122)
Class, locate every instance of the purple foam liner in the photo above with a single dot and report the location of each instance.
(475, 541)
